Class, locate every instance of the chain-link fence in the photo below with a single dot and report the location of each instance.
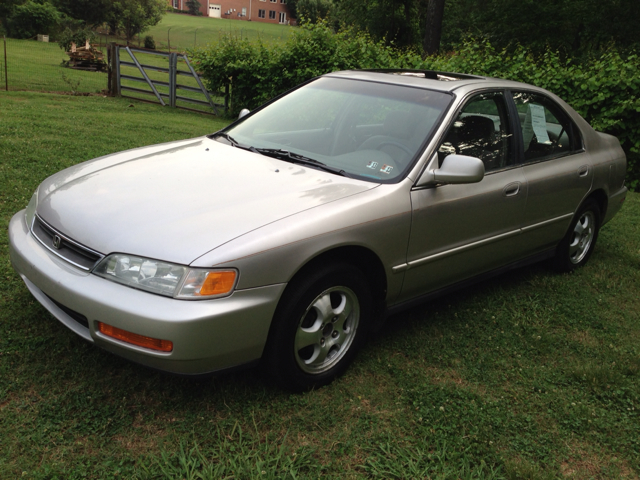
(41, 67)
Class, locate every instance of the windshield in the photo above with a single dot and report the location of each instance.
(367, 130)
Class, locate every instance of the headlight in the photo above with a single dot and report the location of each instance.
(165, 278)
(31, 209)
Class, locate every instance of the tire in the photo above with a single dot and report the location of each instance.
(578, 244)
(319, 325)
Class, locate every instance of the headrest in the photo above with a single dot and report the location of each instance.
(475, 127)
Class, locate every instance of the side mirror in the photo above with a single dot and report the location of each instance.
(455, 169)
(243, 113)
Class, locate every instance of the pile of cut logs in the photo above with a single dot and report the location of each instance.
(86, 58)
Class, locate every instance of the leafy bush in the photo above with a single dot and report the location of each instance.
(32, 18)
(149, 42)
(604, 90)
(78, 36)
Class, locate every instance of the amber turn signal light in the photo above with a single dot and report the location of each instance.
(135, 339)
(218, 283)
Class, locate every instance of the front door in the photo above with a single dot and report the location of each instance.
(215, 11)
(460, 231)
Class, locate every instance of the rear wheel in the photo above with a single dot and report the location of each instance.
(318, 327)
(577, 246)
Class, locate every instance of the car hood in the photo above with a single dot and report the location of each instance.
(178, 201)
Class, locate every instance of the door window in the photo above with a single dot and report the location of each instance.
(547, 130)
(481, 130)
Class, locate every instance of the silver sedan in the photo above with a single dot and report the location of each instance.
(292, 233)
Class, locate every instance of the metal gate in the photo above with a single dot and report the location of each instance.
(165, 92)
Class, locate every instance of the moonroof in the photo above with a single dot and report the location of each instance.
(444, 77)
(430, 74)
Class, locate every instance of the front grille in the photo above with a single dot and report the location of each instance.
(62, 246)
(78, 317)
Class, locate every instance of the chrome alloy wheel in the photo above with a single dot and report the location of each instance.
(582, 237)
(327, 330)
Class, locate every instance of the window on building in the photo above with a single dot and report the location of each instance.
(244, 11)
(273, 1)
(176, 3)
(272, 14)
(283, 1)
(261, 13)
(283, 17)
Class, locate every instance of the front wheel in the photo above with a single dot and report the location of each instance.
(318, 327)
(578, 244)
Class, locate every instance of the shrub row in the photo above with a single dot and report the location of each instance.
(605, 90)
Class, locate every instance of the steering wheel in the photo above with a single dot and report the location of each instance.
(402, 147)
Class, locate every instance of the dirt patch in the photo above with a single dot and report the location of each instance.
(142, 441)
(584, 337)
(585, 464)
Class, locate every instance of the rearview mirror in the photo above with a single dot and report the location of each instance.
(455, 169)
(243, 113)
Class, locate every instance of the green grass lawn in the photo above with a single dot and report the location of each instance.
(186, 31)
(531, 375)
(37, 66)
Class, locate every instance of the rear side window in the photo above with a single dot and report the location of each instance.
(547, 130)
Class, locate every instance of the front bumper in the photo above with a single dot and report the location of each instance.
(207, 335)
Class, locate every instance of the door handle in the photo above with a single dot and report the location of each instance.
(511, 190)
(583, 171)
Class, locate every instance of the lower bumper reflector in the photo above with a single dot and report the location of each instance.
(135, 339)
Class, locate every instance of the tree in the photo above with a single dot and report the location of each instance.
(397, 22)
(6, 9)
(312, 10)
(90, 12)
(292, 6)
(31, 18)
(433, 27)
(194, 7)
(133, 17)
(572, 26)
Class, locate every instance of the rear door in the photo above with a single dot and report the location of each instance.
(556, 168)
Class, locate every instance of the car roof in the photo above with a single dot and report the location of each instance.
(429, 79)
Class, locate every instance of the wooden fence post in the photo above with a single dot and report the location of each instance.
(6, 78)
(109, 70)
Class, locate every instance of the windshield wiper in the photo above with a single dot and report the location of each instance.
(234, 142)
(288, 156)
(227, 137)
